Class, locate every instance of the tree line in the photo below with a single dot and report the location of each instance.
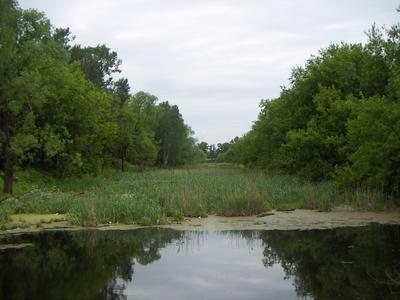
(338, 119)
(222, 152)
(62, 110)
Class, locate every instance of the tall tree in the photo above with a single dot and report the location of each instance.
(51, 116)
(171, 135)
(337, 118)
(27, 47)
(203, 147)
(8, 40)
(144, 150)
(98, 64)
(121, 92)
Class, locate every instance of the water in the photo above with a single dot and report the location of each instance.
(346, 263)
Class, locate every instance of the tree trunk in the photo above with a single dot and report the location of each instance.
(8, 160)
(8, 169)
(123, 155)
(165, 159)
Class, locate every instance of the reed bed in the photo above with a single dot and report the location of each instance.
(154, 197)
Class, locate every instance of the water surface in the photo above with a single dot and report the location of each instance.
(345, 263)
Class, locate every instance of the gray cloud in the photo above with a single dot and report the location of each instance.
(215, 58)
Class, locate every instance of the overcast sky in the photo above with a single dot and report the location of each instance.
(215, 59)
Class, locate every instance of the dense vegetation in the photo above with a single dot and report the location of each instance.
(338, 119)
(62, 111)
(223, 152)
(164, 195)
(65, 117)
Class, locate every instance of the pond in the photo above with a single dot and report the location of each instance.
(150, 263)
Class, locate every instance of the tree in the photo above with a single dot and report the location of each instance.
(144, 149)
(225, 151)
(374, 154)
(27, 47)
(8, 33)
(212, 152)
(203, 147)
(98, 64)
(171, 134)
(62, 111)
(51, 116)
(121, 92)
(126, 122)
(313, 129)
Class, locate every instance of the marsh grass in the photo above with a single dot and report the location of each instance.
(154, 196)
(242, 201)
(4, 215)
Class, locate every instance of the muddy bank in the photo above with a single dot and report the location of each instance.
(292, 220)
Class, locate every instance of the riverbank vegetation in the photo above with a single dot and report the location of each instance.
(160, 196)
(75, 140)
(338, 119)
(63, 112)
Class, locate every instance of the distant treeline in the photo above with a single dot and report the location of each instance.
(62, 111)
(338, 119)
(223, 152)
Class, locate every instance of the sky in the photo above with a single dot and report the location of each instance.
(215, 59)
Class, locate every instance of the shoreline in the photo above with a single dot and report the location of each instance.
(300, 219)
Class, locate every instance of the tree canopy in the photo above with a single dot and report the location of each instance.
(62, 111)
(339, 118)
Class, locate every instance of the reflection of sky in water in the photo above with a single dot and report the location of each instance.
(210, 265)
(346, 263)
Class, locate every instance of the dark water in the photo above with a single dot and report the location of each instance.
(347, 263)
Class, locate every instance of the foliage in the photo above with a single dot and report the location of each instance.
(375, 156)
(150, 197)
(223, 152)
(97, 63)
(173, 136)
(62, 112)
(337, 119)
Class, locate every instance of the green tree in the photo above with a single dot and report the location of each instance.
(203, 147)
(320, 125)
(171, 134)
(126, 122)
(27, 49)
(121, 92)
(145, 149)
(75, 123)
(8, 34)
(98, 64)
(51, 116)
(62, 111)
(225, 151)
(374, 146)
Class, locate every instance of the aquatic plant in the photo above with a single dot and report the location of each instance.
(151, 197)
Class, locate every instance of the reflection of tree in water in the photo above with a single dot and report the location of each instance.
(347, 263)
(112, 291)
(350, 263)
(242, 238)
(79, 265)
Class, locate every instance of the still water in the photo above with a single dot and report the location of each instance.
(346, 263)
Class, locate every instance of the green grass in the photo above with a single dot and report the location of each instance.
(151, 197)
(37, 218)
